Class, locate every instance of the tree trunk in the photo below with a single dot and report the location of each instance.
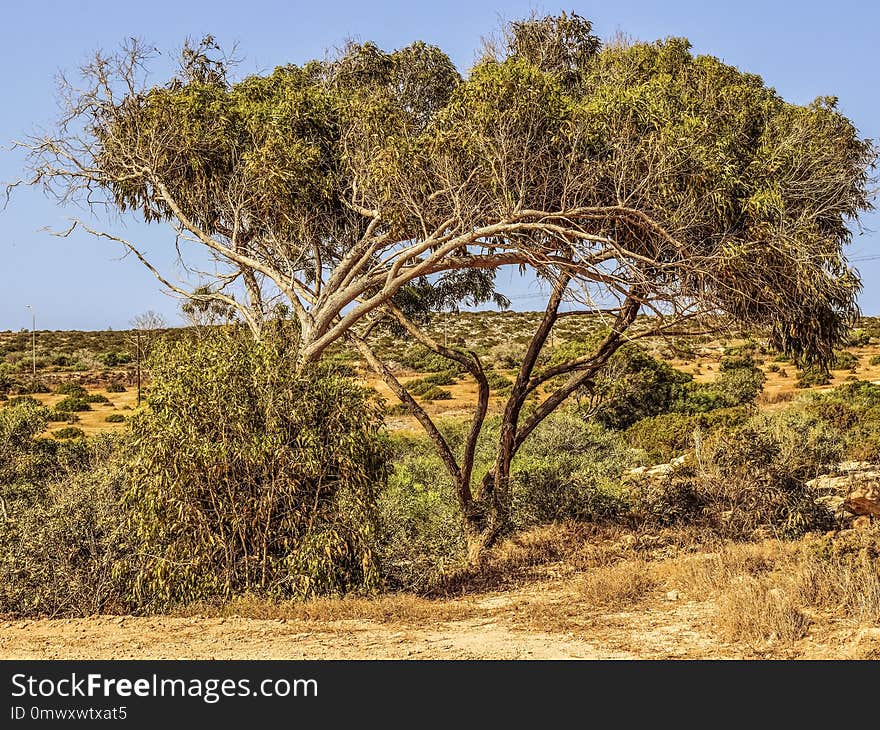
(486, 519)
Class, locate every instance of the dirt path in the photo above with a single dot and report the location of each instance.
(508, 625)
(546, 619)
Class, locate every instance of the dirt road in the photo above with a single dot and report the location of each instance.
(537, 622)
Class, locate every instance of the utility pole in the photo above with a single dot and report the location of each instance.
(33, 341)
(138, 350)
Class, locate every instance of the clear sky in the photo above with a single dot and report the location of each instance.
(803, 49)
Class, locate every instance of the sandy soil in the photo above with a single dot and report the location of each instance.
(496, 626)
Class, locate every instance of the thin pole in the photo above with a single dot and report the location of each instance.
(139, 366)
(33, 342)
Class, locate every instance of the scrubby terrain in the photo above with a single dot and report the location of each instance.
(720, 505)
(564, 595)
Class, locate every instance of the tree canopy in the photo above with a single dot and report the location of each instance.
(632, 177)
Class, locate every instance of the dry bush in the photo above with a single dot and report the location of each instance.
(842, 574)
(851, 586)
(617, 586)
(769, 399)
(704, 575)
(760, 609)
(65, 554)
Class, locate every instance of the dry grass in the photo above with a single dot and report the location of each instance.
(756, 597)
(703, 575)
(391, 608)
(847, 585)
(758, 610)
(617, 586)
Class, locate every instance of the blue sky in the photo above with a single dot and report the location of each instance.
(804, 49)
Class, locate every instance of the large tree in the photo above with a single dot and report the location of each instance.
(374, 187)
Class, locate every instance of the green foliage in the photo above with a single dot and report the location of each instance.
(115, 418)
(668, 435)
(69, 432)
(421, 535)
(756, 475)
(843, 360)
(397, 409)
(852, 411)
(811, 377)
(112, 359)
(423, 360)
(28, 463)
(425, 389)
(858, 338)
(739, 382)
(72, 404)
(250, 476)
(115, 388)
(56, 416)
(97, 398)
(72, 389)
(498, 382)
(570, 469)
(636, 386)
(445, 378)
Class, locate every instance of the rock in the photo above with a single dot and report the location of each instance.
(853, 488)
(864, 500)
(658, 470)
(672, 596)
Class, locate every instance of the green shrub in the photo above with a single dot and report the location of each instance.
(635, 385)
(498, 382)
(397, 409)
(858, 338)
(115, 388)
(843, 360)
(433, 393)
(72, 404)
(875, 360)
(757, 477)
(69, 432)
(421, 533)
(23, 400)
(445, 378)
(671, 499)
(112, 359)
(669, 435)
(115, 418)
(249, 476)
(811, 377)
(423, 360)
(56, 416)
(569, 469)
(97, 398)
(72, 389)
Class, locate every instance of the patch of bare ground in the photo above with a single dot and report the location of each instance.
(557, 592)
